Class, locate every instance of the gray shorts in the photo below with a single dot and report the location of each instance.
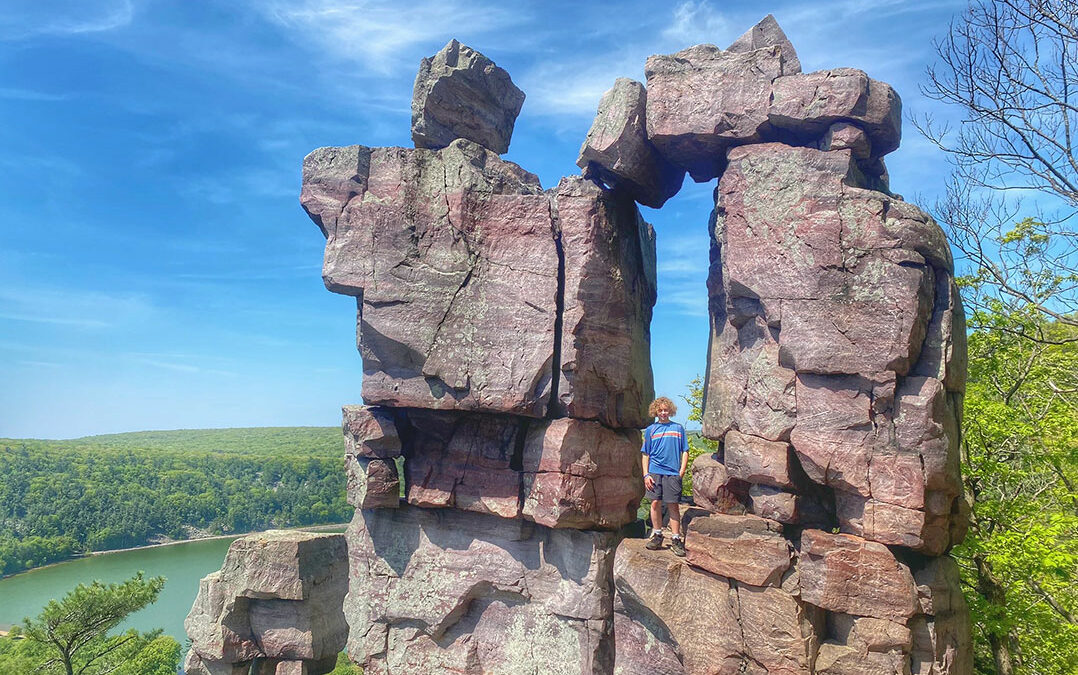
(667, 489)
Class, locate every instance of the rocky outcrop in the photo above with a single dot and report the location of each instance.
(504, 332)
(459, 93)
(276, 600)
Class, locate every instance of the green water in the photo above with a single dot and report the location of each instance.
(182, 564)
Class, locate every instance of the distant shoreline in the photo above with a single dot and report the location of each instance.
(90, 554)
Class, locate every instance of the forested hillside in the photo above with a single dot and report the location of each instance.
(60, 498)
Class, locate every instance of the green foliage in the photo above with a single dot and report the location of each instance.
(71, 635)
(698, 445)
(60, 498)
(344, 666)
(1020, 463)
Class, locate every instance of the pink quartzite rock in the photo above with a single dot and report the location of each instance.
(941, 637)
(278, 596)
(703, 100)
(748, 548)
(609, 291)
(452, 255)
(617, 151)
(845, 136)
(464, 461)
(713, 488)
(581, 474)
(448, 591)
(819, 261)
(372, 483)
(774, 504)
(716, 625)
(331, 177)
(844, 573)
(568, 473)
(808, 103)
(836, 659)
(755, 460)
(459, 93)
(767, 33)
(638, 652)
(370, 432)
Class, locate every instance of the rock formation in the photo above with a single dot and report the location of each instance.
(504, 333)
(275, 606)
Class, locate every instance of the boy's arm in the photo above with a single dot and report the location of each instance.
(645, 462)
(684, 452)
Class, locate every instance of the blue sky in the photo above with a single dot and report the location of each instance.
(156, 270)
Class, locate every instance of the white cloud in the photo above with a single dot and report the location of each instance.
(30, 95)
(383, 35)
(31, 18)
(695, 23)
(67, 307)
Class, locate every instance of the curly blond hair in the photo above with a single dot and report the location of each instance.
(661, 402)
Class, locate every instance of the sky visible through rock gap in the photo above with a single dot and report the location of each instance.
(156, 270)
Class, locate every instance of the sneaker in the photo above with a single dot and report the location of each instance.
(677, 545)
(656, 541)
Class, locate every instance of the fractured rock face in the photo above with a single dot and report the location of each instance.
(746, 548)
(459, 93)
(765, 34)
(437, 590)
(278, 596)
(703, 100)
(609, 291)
(618, 153)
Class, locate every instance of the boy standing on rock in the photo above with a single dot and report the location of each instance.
(665, 457)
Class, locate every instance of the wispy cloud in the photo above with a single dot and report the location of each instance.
(696, 22)
(377, 34)
(30, 95)
(71, 307)
(71, 18)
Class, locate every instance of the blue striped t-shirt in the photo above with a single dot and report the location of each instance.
(664, 443)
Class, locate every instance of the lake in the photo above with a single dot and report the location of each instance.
(183, 564)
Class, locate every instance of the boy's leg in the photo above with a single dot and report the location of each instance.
(675, 518)
(656, 515)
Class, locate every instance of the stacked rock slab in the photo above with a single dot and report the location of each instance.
(834, 382)
(273, 608)
(504, 332)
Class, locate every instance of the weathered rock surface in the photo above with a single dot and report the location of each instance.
(609, 292)
(459, 93)
(559, 473)
(884, 587)
(581, 474)
(716, 625)
(757, 461)
(372, 483)
(764, 34)
(807, 104)
(775, 504)
(617, 151)
(437, 590)
(370, 432)
(713, 488)
(747, 548)
(278, 596)
(703, 100)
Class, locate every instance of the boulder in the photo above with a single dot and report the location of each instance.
(453, 258)
(764, 34)
(806, 104)
(609, 291)
(372, 483)
(715, 624)
(713, 488)
(617, 152)
(703, 100)
(370, 432)
(846, 136)
(758, 461)
(847, 574)
(441, 590)
(459, 93)
(747, 548)
(278, 596)
(581, 474)
(638, 652)
(774, 504)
